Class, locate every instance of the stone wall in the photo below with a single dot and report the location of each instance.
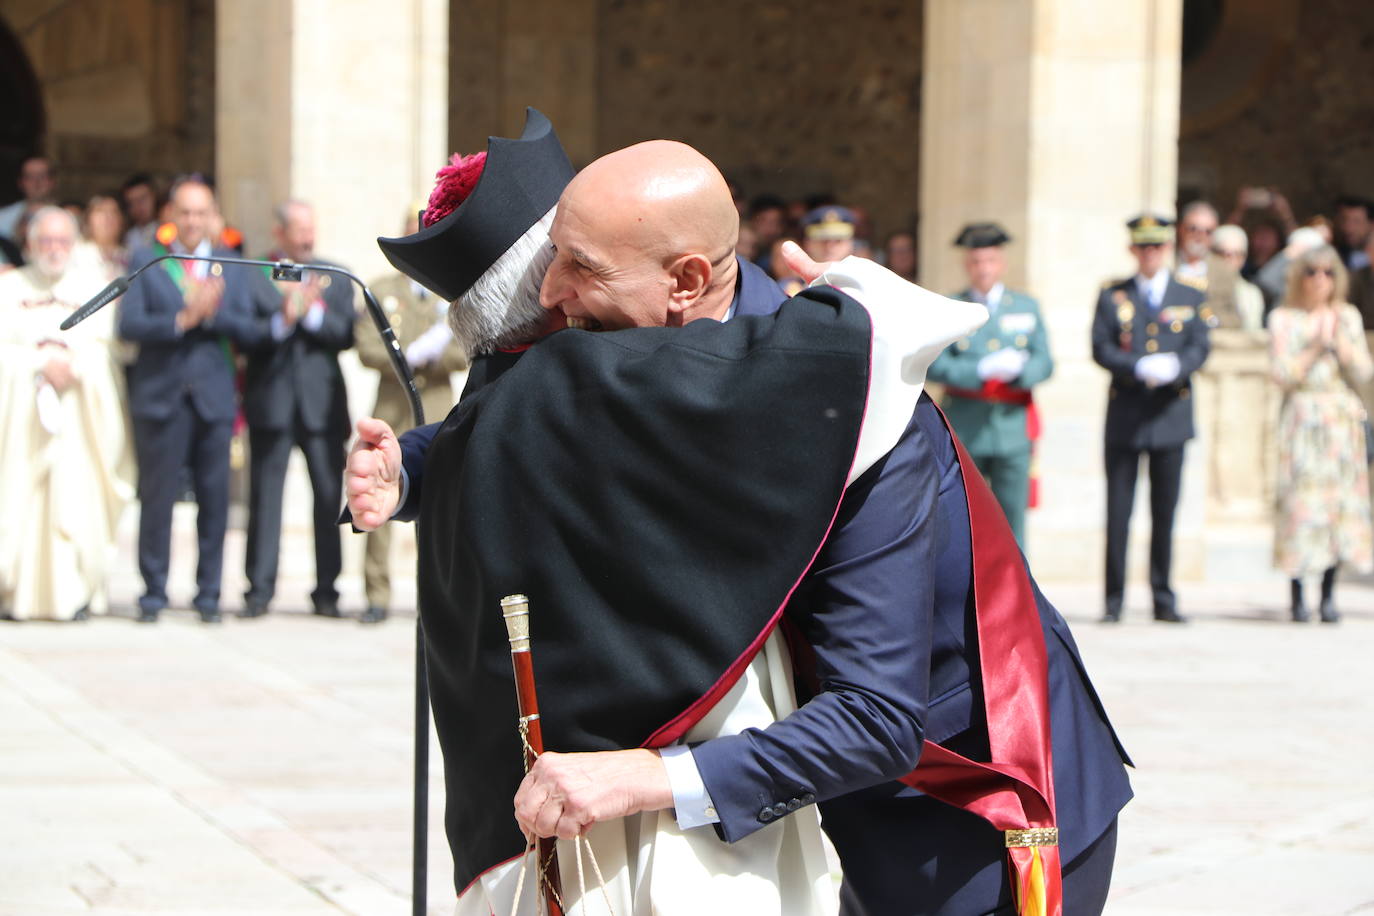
(1282, 96)
(127, 85)
(788, 97)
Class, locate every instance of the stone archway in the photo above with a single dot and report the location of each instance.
(21, 129)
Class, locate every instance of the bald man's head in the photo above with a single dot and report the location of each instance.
(645, 236)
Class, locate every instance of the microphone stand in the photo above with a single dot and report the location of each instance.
(288, 270)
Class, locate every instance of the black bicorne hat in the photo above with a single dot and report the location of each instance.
(981, 235)
(520, 181)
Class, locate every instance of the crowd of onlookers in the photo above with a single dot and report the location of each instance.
(202, 367)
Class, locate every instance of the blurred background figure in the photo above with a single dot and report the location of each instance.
(420, 320)
(294, 397)
(1199, 268)
(1149, 332)
(183, 316)
(1272, 278)
(989, 375)
(68, 469)
(778, 269)
(1229, 245)
(899, 254)
(1353, 230)
(1318, 353)
(103, 250)
(768, 219)
(828, 233)
(141, 206)
(37, 181)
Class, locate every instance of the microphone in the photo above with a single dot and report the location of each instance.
(281, 270)
(117, 288)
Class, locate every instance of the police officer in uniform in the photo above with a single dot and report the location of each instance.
(1150, 333)
(989, 375)
(419, 319)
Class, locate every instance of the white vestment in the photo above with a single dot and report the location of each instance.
(66, 470)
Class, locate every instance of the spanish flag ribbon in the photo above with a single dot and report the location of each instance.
(1014, 792)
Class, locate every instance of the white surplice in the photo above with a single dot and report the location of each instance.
(66, 463)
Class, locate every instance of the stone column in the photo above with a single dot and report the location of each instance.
(1058, 119)
(343, 103)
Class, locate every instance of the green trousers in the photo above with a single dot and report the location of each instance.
(1009, 478)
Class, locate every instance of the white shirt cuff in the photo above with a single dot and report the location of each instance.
(313, 317)
(280, 329)
(690, 798)
(405, 491)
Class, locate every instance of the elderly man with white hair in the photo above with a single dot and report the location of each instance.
(1230, 245)
(68, 469)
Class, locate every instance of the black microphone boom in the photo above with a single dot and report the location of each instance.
(290, 270)
(118, 287)
(281, 270)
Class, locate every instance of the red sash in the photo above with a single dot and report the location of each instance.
(1002, 393)
(1014, 793)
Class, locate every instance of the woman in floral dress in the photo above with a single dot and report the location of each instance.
(1318, 355)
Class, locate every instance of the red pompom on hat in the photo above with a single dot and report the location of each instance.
(455, 182)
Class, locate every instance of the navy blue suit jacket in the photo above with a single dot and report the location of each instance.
(887, 611)
(298, 377)
(196, 362)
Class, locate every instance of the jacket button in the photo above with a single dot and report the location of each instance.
(793, 804)
(779, 809)
(766, 815)
(809, 798)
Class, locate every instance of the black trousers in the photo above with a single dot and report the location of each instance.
(324, 460)
(1166, 473)
(165, 447)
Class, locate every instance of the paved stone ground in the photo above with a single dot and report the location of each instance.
(263, 766)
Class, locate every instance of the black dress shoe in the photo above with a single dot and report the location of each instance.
(327, 609)
(210, 615)
(147, 615)
(253, 608)
(1327, 611)
(82, 613)
(1169, 615)
(375, 613)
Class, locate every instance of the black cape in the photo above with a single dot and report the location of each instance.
(658, 494)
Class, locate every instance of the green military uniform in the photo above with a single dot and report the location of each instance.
(411, 310)
(986, 416)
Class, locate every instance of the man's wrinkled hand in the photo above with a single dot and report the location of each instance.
(565, 794)
(372, 477)
(57, 372)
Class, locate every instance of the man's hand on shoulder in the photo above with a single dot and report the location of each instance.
(372, 477)
(564, 794)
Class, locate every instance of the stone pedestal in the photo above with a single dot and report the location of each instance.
(1058, 119)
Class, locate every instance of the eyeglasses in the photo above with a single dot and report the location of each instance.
(1194, 227)
(1313, 271)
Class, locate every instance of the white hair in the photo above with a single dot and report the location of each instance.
(48, 212)
(1231, 236)
(1305, 238)
(502, 308)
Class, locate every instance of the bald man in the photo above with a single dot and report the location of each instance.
(886, 612)
(294, 397)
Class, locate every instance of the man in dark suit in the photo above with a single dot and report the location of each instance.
(294, 396)
(184, 315)
(887, 609)
(1150, 333)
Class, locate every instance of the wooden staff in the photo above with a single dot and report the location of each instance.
(515, 609)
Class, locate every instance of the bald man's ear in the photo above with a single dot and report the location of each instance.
(691, 275)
